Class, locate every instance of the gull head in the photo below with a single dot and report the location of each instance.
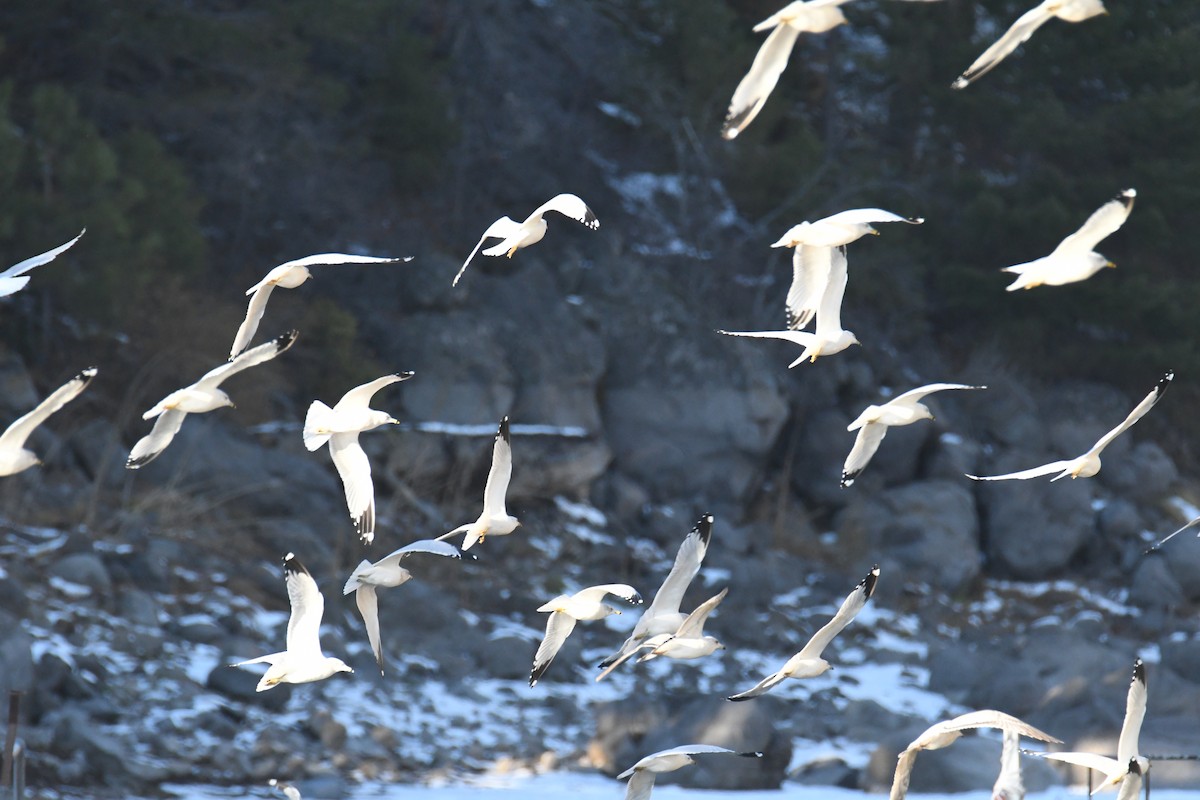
(220, 399)
(337, 665)
(376, 418)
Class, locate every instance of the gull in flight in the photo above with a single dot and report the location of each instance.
(808, 662)
(288, 276)
(828, 337)
(14, 457)
(1074, 259)
(1160, 542)
(302, 661)
(641, 775)
(1023, 28)
(494, 520)
(340, 427)
(13, 279)
(1117, 769)
(199, 398)
(387, 572)
(1088, 464)
(567, 609)
(812, 244)
(516, 235)
(786, 25)
(663, 616)
(289, 791)
(946, 733)
(688, 641)
(873, 423)
(1008, 785)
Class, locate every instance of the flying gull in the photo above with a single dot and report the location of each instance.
(1168, 538)
(1116, 769)
(516, 235)
(387, 572)
(828, 337)
(802, 16)
(641, 775)
(808, 662)
(663, 616)
(340, 427)
(873, 423)
(1023, 28)
(289, 275)
(1074, 259)
(14, 278)
(688, 641)
(946, 733)
(14, 457)
(494, 520)
(567, 609)
(302, 661)
(199, 398)
(1088, 464)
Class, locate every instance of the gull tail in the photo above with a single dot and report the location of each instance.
(355, 579)
(317, 425)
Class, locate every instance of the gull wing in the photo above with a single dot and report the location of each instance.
(568, 205)
(900, 779)
(307, 608)
(1103, 222)
(762, 687)
(338, 258)
(865, 445)
(250, 358)
(754, 89)
(853, 604)
(1138, 412)
(628, 651)
(1171, 536)
(433, 546)
(355, 471)
(1135, 712)
(360, 396)
(1026, 474)
(500, 474)
(693, 625)
(682, 750)
(1020, 32)
(500, 229)
(913, 395)
(1008, 782)
(19, 431)
(687, 563)
(153, 443)
(810, 274)
(829, 310)
(621, 590)
(1102, 764)
(558, 628)
(368, 606)
(21, 267)
(254, 313)
(641, 783)
(866, 216)
(987, 718)
(802, 338)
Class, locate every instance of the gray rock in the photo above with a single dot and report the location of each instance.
(84, 569)
(16, 657)
(16, 387)
(1144, 475)
(928, 530)
(138, 607)
(12, 596)
(816, 470)
(1182, 555)
(1155, 588)
(1183, 658)
(239, 684)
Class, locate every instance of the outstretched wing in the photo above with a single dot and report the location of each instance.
(254, 313)
(360, 396)
(865, 445)
(829, 309)
(500, 474)
(762, 687)
(1020, 31)
(1135, 712)
(308, 606)
(853, 604)
(153, 443)
(693, 625)
(558, 628)
(1103, 222)
(338, 258)
(621, 590)
(432, 546)
(810, 273)
(568, 205)
(687, 563)
(500, 229)
(252, 357)
(754, 89)
(1026, 474)
(355, 472)
(989, 718)
(21, 267)
(902, 775)
(1138, 412)
(866, 216)
(913, 395)
(19, 431)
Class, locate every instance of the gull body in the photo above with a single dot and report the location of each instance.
(946, 733)
(289, 275)
(494, 520)
(1008, 785)
(808, 662)
(13, 279)
(516, 235)
(663, 616)
(1116, 770)
(387, 572)
(202, 396)
(567, 609)
(339, 427)
(688, 641)
(641, 775)
(873, 423)
(1088, 464)
(1023, 28)
(302, 661)
(1074, 259)
(14, 456)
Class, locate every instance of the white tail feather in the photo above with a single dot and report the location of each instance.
(317, 425)
(355, 579)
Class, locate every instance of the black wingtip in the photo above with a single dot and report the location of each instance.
(1126, 197)
(704, 527)
(868, 583)
(754, 754)
(502, 432)
(86, 375)
(285, 340)
(291, 565)
(848, 478)
(140, 461)
(590, 219)
(404, 375)
(536, 674)
(1164, 381)
(1139, 671)
(737, 698)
